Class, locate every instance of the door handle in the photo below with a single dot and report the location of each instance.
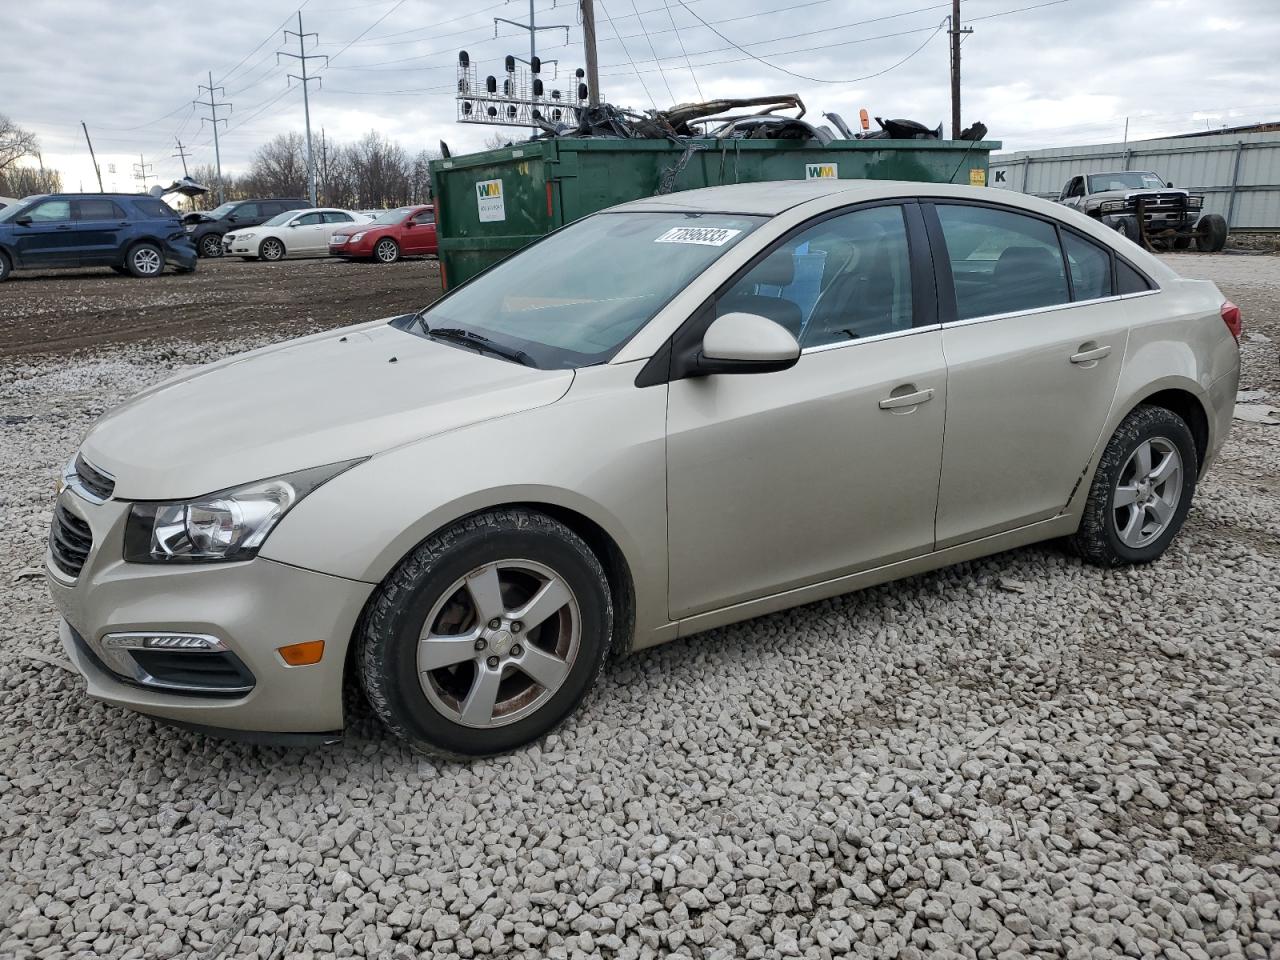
(907, 399)
(64, 226)
(1088, 356)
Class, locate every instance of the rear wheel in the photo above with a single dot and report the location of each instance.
(271, 249)
(144, 260)
(1212, 233)
(487, 636)
(387, 251)
(1141, 492)
(211, 245)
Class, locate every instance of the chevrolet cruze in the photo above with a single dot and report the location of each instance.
(672, 415)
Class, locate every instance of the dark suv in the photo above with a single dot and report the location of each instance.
(131, 233)
(206, 227)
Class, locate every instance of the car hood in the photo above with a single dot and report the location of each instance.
(367, 227)
(331, 397)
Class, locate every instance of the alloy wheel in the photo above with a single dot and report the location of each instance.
(1147, 492)
(272, 250)
(147, 261)
(211, 246)
(499, 643)
(387, 251)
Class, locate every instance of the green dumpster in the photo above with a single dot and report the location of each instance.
(490, 204)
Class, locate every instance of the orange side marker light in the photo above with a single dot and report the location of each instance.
(302, 654)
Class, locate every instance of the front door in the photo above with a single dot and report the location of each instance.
(309, 235)
(420, 233)
(1032, 371)
(46, 241)
(784, 479)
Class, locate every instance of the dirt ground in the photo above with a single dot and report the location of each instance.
(62, 311)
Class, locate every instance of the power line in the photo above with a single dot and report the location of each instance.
(680, 37)
(652, 50)
(605, 11)
(283, 23)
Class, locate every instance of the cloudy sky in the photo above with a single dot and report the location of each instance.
(1038, 73)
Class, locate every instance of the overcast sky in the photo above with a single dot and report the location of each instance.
(1055, 74)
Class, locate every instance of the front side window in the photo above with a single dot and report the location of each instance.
(51, 211)
(427, 216)
(574, 298)
(309, 219)
(1090, 267)
(845, 278)
(1001, 262)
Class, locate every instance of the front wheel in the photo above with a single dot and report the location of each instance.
(487, 636)
(1141, 491)
(1128, 227)
(387, 251)
(145, 260)
(271, 250)
(211, 245)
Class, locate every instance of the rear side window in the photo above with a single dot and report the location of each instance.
(1129, 280)
(154, 207)
(1002, 262)
(1090, 267)
(97, 210)
(336, 217)
(246, 211)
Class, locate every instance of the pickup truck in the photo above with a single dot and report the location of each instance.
(1146, 209)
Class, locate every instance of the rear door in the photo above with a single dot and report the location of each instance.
(785, 479)
(48, 240)
(98, 226)
(1034, 341)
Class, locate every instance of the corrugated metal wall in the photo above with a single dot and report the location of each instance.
(1239, 173)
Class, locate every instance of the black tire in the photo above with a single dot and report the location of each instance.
(210, 245)
(1128, 227)
(396, 616)
(1099, 538)
(1213, 233)
(1182, 243)
(271, 250)
(6, 267)
(144, 260)
(386, 250)
(248, 259)
(123, 271)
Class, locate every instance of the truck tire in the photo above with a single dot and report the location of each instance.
(1128, 228)
(1213, 233)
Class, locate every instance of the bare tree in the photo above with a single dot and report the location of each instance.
(279, 168)
(27, 181)
(497, 140)
(15, 143)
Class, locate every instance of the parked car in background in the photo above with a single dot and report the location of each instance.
(130, 233)
(297, 233)
(1138, 204)
(403, 232)
(207, 227)
(7, 201)
(660, 419)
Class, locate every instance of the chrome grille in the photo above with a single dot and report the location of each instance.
(70, 540)
(97, 483)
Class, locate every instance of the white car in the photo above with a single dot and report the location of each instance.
(295, 233)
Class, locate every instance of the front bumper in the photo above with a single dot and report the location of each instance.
(233, 246)
(253, 608)
(361, 250)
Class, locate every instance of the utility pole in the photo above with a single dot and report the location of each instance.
(182, 152)
(94, 159)
(302, 57)
(589, 49)
(213, 104)
(956, 35)
(141, 171)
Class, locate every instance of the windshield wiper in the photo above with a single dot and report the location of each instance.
(482, 343)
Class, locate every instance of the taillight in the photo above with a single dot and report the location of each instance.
(1231, 317)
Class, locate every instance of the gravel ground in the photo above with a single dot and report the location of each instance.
(1017, 756)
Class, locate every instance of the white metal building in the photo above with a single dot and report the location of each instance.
(1237, 171)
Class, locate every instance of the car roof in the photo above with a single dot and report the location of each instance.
(771, 198)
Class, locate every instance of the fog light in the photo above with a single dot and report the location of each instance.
(302, 654)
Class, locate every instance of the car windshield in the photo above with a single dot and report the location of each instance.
(218, 212)
(1124, 180)
(391, 216)
(280, 219)
(574, 298)
(13, 209)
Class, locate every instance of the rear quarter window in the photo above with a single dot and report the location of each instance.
(154, 207)
(1129, 280)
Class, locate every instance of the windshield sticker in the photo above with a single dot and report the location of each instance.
(704, 236)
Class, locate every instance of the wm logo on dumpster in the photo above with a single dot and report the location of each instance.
(821, 171)
(489, 188)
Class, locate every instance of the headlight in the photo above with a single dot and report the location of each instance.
(243, 236)
(358, 237)
(224, 526)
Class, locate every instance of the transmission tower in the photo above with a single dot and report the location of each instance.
(213, 119)
(142, 171)
(302, 57)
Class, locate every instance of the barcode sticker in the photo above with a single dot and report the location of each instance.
(705, 236)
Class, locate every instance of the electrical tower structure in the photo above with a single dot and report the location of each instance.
(302, 57)
(519, 99)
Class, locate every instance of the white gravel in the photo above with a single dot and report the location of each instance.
(1019, 756)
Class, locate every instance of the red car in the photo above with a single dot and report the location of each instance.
(403, 232)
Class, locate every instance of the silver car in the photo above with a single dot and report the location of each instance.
(669, 416)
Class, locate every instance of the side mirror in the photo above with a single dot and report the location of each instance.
(24, 220)
(747, 343)
(1169, 184)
